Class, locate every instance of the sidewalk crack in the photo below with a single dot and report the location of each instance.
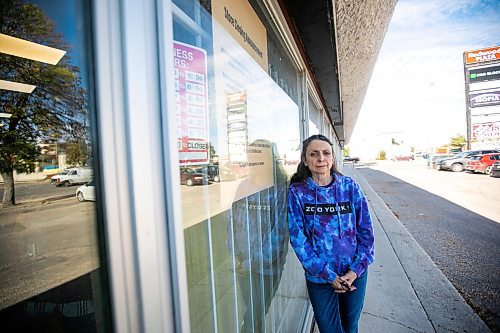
(393, 321)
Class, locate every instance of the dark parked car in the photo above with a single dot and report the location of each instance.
(457, 163)
(495, 170)
(216, 173)
(351, 159)
(192, 177)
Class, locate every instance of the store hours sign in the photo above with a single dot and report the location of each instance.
(191, 99)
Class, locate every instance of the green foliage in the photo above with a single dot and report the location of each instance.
(212, 151)
(56, 108)
(458, 141)
(18, 152)
(382, 155)
(345, 151)
(76, 153)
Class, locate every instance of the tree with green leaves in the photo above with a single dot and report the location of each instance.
(77, 152)
(57, 107)
(458, 141)
(382, 155)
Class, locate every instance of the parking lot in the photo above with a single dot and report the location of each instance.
(478, 193)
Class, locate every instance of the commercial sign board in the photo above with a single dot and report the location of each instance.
(239, 19)
(484, 131)
(190, 72)
(484, 98)
(482, 55)
(484, 74)
(237, 125)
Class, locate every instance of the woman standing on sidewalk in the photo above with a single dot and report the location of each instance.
(331, 233)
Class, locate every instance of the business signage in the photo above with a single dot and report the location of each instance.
(237, 128)
(484, 98)
(484, 74)
(482, 55)
(190, 73)
(484, 131)
(238, 18)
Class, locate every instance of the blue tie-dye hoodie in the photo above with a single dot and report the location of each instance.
(330, 228)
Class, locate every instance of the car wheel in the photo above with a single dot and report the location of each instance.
(457, 167)
(487, 170)
(65, 183)
(216, 179)
(189, 182)
(80, 197)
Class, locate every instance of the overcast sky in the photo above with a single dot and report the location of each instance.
(416, 92)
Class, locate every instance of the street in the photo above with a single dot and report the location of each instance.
(44, 246)
(34, 191)
(455, 217)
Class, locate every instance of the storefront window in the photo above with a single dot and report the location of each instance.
(50, 276)
(237, 118)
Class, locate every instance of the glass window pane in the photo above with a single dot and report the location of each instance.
(50, 276)
(314, 118)
(238, 139)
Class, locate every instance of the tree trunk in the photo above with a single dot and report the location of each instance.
(9, 197)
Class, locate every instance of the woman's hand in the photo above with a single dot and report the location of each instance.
(338, 285)
(341, 284)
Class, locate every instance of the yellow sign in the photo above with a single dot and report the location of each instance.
(239, 19)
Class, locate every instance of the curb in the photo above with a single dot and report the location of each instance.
(30, 205)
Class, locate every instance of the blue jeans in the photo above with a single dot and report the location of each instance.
(337, 313)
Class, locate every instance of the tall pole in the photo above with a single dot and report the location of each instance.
(467, 108)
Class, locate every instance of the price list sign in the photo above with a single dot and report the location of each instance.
(190, 72)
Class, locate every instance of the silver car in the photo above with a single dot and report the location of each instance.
(457, 163)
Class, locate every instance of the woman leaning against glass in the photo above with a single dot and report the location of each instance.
(331, 233)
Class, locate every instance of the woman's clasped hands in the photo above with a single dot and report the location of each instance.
(343, 284)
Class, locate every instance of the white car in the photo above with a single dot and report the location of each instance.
(86, 192)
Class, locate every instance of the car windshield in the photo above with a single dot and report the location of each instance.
(65, 172)
(462, 154)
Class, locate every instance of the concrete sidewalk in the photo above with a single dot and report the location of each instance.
(406, 291)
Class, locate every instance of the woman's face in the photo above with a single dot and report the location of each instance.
(319, 158)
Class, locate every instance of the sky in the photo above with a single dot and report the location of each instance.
(417, 90)
(69, 21)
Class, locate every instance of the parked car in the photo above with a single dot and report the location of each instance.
(433, 159)
(457, 162)
(351, 159)
(213, 172)
(495, 170)
(482, 163)
(472, 163)
(73, 176)
(192, 177)
(402, 158)
(86, 192)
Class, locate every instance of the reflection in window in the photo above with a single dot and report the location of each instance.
(49, 265)
(241, 277)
